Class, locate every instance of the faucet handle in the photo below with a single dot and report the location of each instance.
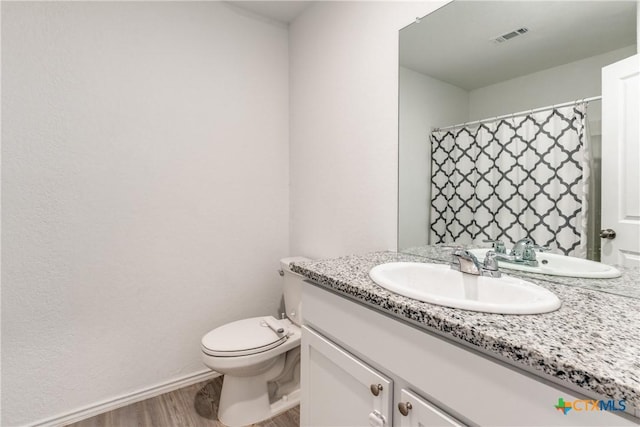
(529, 253)
(490, 265)
(498, 245)
(490, 261)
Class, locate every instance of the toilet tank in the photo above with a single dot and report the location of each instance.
(292, 287)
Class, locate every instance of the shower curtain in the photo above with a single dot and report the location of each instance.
(524, 176)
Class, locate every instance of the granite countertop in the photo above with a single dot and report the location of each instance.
(592, 341)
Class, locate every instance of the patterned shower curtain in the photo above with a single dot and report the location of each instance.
(524, 176)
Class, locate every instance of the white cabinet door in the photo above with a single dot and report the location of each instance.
(620, 160)
(340, 390)
(417, 412)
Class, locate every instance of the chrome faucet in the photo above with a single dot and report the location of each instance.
(466, 262)
(521, 246)
(523, 252)
(498, 246)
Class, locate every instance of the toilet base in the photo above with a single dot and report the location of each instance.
(258, 386)
(245, 400)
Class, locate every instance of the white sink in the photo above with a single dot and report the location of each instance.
(439, 284)
(559, 265)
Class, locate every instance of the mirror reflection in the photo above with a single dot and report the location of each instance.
(500, 132)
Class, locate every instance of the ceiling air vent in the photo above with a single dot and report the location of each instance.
(510, 35)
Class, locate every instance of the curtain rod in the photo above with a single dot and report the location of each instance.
(521, 113)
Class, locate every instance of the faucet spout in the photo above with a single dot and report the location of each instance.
(466, 262)
(520, 246)
(523, 252)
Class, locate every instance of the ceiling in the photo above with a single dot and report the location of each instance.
(453, 44)
(282, 11)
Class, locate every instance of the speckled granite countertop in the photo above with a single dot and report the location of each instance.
(592, 341)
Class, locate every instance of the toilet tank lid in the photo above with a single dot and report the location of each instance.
(284, 262)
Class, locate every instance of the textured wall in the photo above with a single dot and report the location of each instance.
(567, 82)
(144, 192)
(344, 125)
(425, 103)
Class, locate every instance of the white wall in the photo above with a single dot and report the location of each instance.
(344, 125)
(568, 82)
(425, 103)
(145, 192)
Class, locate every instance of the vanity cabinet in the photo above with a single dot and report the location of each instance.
(344, 390)
(415, 411)
(347, 347)
(347, 392)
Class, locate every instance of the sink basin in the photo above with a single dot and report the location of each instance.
(559, 265)
(439, 284)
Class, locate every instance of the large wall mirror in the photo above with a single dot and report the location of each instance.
(500, 122)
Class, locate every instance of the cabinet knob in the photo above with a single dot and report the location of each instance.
(375, 389)
(404, 408)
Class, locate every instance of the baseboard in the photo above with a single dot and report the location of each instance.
(124, 400)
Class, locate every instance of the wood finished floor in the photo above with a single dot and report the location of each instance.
(193, 406)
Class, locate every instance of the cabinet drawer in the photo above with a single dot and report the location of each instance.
(417, 412)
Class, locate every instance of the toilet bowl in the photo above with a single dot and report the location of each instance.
(260, 360)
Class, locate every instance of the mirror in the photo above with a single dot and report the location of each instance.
(502, 61)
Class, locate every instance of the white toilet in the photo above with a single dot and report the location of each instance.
(260, 359)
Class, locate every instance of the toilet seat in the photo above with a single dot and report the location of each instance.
(243, 338)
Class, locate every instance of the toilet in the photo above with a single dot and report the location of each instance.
(260, 359)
